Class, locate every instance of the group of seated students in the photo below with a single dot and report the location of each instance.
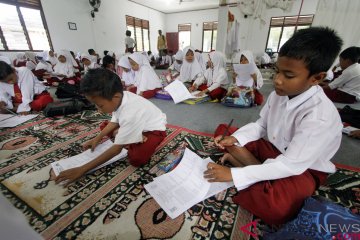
(273, 177)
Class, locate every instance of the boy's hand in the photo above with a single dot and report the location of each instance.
(217, 173)
(202, 93)
(92, 143)
(144, 138)
(69, 175)
(355, 134)
(227, 141)
(192, 88)
(2, 104)
(24, 113)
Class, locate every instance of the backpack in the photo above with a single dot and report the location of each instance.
(66, 90)
(67, 107)
(243, 98)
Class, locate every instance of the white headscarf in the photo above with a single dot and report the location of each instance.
(218, 72)
(5, 59)
(64, 68)
(42, 64)
(53, 60)
(145, 77)
(189, 71)
(92, 65)
(69, 58)
(201, 61)
(127, 77)
(178, 56)
(250, 57)
(20, 57)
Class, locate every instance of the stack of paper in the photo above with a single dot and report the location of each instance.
(185, 186)
(85, 157)
(347, 130)
(9, 120)
(179, 92)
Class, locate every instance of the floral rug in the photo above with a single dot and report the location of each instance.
(111, 202)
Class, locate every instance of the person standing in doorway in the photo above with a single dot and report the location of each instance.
(130, 43)
(161, 43)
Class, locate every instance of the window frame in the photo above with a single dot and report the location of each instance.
(296, 25)
(214, 23)
(23, 25)
(179, 30)
(143, 21)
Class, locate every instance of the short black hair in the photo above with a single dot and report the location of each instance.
(105, 52)
(316, 46)
(101, 82)
(128, 33)
(5, 71)
(351, 53)
(91, 51)
(108, 60)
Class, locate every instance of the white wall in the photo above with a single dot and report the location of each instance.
(196, 18)
(253, 34)
(105, 32)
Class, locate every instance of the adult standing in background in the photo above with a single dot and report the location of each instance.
(130, 43)
(161, 43)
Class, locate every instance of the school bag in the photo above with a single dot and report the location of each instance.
(243, 99)
(67, 107)
(66, 90)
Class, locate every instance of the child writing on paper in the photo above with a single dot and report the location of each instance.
(128, 75)
(63, 70)
(147, 82)
(303, 131)
(140, 125)
(215, 80)
(254, 81)
(21, 91)
(346, 88)
(88, 62)
(190, 69)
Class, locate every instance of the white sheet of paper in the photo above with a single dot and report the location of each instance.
(179, 92)
(347, 130)
(244, 71)
(85, 157)
(13, 120)
(185, 186)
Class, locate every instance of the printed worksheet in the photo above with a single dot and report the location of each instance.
(9, 120)
(179, 92)
(185, 186)
(85, 157)
(244, 71)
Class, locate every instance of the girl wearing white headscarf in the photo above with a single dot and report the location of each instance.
(147, 82)
(176, 66)
(190, 69)
(64, 70)
(215, 80)
(201, 61)
(255, 80)
(20, 60)
(51, 58)
(30, 60)
(88, 62)
(42, 64)
(128, 75)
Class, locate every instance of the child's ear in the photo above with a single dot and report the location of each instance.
(117, 95)
(317, 78)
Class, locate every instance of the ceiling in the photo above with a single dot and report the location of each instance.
(173, 6)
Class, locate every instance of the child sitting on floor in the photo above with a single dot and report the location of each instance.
(140, 125)
(21, 91)
(215, 80)
(88, 62)
(128, 75)
(190, 69)
(303, 131)
(346, 88)
(147, 82)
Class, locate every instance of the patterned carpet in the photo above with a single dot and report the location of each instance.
(111, 203)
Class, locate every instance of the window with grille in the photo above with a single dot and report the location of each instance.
(282, 28)
(184, 31)
(209, 36)
(23, 26)
(140, 31)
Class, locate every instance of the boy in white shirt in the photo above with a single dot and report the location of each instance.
(130, 43)
(346, 88)
(302, 129)
(139, 124)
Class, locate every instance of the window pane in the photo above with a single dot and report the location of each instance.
(11, 27)
(1, 46)
(35, 28)
(184, 39)
(214, 40)
(207, 41)
(286, 35)
(139, 41)
(274, 38)
(302, 27)
(146, 40)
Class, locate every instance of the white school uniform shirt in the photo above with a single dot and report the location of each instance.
(130, 42)
(217, 76)
(250, 81)
(45, 66)
(166, 60)
(305, 129)
(29, 86)
(135, 116)
(145, 77)
(65, 68)
(348, 81)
